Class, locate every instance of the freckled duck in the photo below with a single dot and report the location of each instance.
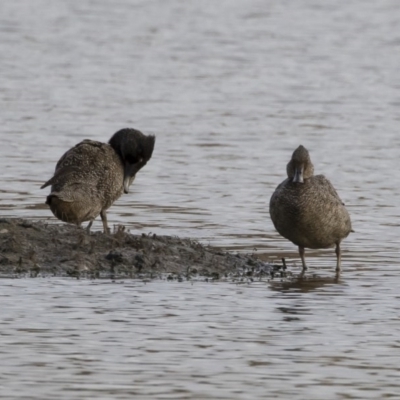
(306, 209)
(90, 176)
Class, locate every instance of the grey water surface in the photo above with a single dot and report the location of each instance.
(230, 89)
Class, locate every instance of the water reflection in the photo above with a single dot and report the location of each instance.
(305, 283)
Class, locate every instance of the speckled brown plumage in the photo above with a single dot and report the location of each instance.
(307, 210)
(91, 175)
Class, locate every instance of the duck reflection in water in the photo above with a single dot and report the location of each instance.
(304, 284)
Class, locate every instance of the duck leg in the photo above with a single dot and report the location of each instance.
(303, 261)
(89, 226)
(338, 258)
(103, 216)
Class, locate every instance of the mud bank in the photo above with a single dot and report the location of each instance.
(29, 248)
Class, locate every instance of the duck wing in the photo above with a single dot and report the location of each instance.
(61, 175)
(328, 188)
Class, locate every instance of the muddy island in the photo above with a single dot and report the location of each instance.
(37, 248)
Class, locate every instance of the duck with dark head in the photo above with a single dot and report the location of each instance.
(92, 175)
(306, 209)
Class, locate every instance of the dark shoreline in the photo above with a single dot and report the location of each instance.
(36, 248)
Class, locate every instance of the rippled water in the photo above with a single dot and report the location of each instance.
(79, 339)
(229, 89)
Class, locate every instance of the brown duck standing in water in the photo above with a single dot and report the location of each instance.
(92, 175)
(306, 209)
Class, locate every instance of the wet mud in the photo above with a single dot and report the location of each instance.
(36, 248)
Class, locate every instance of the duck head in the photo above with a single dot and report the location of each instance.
(135, 149)
(300, 166)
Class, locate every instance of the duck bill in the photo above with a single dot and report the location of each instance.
(129, 176)
(127, 182)
(298, 175)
